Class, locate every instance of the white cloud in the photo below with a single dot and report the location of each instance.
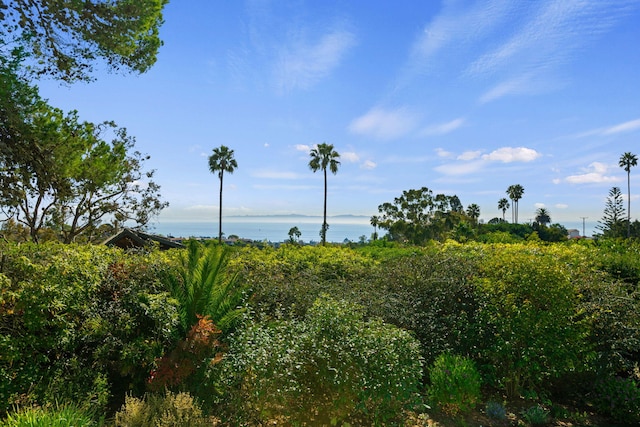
(303, 147)
(596, 173)
(511, 154)
(443, 128)
(443, 153)
(368, 164)
(460, 168)
(349, 156)
(303, 64)
(469, 155)
(539, 205)
(561, 206)
(384, 124)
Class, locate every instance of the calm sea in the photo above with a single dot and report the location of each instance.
(276, 229)
(272, 229)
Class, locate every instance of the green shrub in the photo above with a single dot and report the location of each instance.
(618, 398)
(332, 367)
(454, 384)
(162, 410)
(88, 313)
(431, 293)
(536, 415)
(531, 330)
(61, 416)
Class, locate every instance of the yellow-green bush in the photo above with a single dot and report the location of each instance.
(529, 310)
(162, 410)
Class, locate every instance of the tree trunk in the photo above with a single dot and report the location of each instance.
(324, 217)
(220, 210)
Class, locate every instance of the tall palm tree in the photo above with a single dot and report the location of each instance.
(473, 212)
(503, 205)
(542, 216)
(374, 222)
(221, 161)
(323, 156)
(627, 160)
(515, 193)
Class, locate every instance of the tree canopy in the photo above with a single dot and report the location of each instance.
(65, 39)
(64, 174)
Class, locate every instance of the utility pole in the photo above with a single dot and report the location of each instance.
(583, 218)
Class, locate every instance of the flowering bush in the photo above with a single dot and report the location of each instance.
(333, 367)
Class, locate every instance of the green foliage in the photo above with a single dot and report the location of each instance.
(67, 415)
(454, 383)
(62, 173)
(618, 398)
(66, 38)
(89, 313)
(286, 281)
(532, 334)
(536, 415)
(621, 259)
(331, 368)
(161, 410)
(430, 293)
(204, 286)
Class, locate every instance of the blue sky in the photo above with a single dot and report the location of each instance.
(463, 97)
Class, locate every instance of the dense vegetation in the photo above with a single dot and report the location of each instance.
(364, 336)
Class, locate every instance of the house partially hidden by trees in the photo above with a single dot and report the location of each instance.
(130, 239)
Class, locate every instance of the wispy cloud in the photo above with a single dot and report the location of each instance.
(516, 47)
(595, 173)
(624, 127)
(384, 124)
(368, 165)
(301, 64)
(349, 156)
(469, 155)
(293, 52)
(441, 152)
(443, 128)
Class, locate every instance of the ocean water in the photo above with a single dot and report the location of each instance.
(269, 229)
(276, 229)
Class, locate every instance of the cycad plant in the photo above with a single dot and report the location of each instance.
(205, 288)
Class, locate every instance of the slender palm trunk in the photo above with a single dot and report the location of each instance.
(629, 203)
(513, 211)
(220, 211)
(324, 215)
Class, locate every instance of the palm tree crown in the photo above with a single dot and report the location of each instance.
(543, 217)
(515, 193)
(221, 161)
(503, 205)
(324, 157)
(627, 161)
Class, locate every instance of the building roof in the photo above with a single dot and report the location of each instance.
(128, 238)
